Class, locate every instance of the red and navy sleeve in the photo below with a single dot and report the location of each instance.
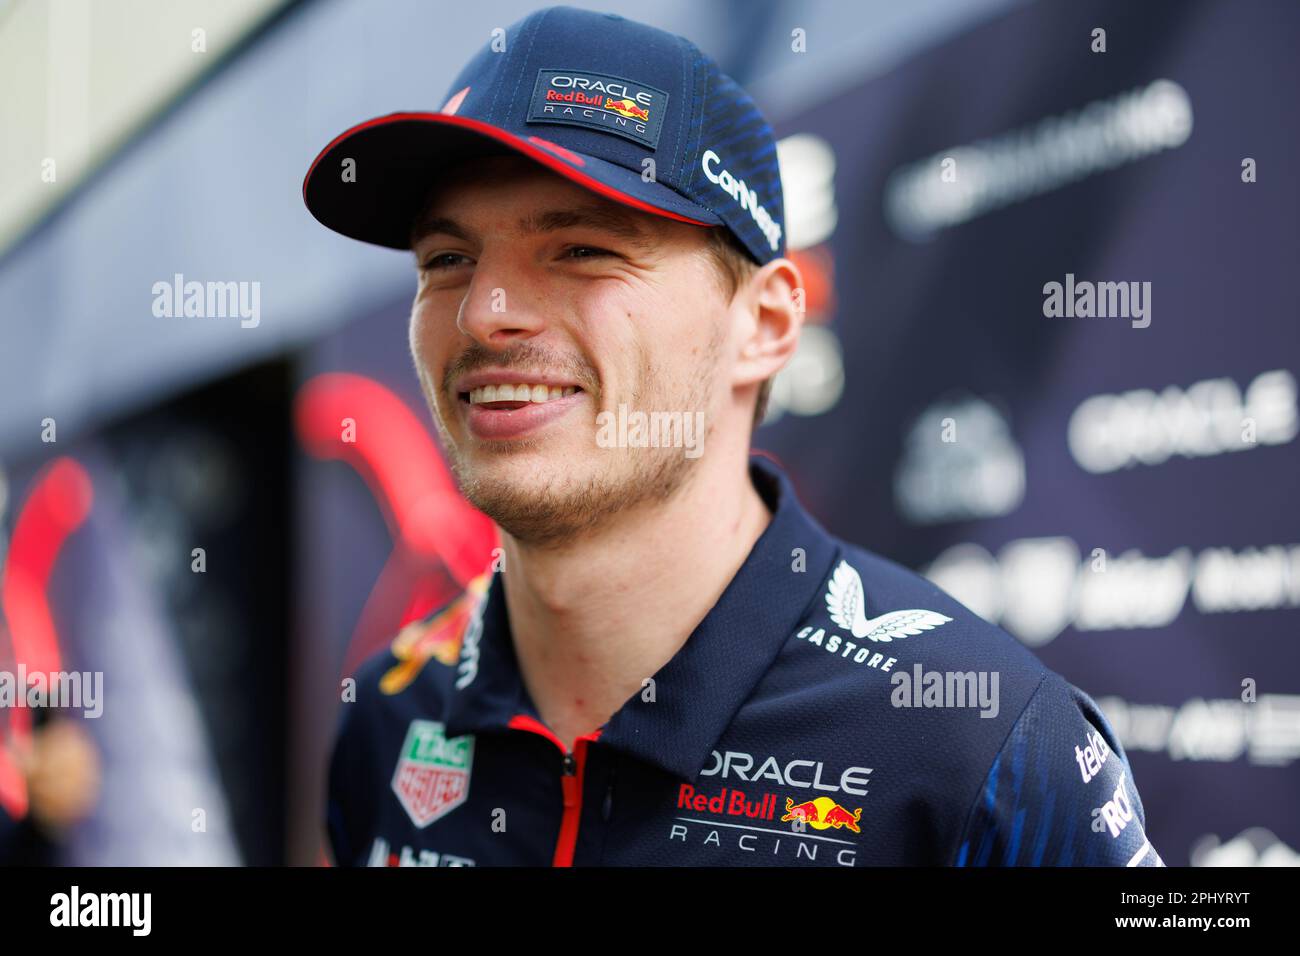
(1060, 792)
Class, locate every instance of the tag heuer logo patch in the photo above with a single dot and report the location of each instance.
(599, 101)
(432, 776)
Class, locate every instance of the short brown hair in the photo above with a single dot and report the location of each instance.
(734, 266)
(732, 259)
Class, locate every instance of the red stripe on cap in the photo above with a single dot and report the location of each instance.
(453, 104)
(558, 150)
(530, 150)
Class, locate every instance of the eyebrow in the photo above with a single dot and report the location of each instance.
(601, 218)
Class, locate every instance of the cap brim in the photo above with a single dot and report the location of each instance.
(397, 159)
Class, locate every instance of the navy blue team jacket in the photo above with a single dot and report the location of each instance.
(827, 712)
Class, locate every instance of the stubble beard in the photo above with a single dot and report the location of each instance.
(556, 511)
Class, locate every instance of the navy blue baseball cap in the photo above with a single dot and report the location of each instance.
(591, 96)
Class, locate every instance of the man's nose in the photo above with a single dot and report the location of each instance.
(500, 306)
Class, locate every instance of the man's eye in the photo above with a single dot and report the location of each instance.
(588, 252)
(434, 263)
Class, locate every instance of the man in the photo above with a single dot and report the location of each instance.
(670, 663)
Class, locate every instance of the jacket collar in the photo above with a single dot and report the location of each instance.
(699, 691)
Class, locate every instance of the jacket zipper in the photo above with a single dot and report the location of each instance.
(571, 784)
(571, 779)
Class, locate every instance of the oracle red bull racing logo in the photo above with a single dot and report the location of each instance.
(712, 824)
(432, 776)
(599, 101)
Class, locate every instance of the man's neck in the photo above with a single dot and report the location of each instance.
(593, 621)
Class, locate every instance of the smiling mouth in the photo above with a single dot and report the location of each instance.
(511, 397)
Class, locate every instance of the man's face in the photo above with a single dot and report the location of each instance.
(526, 279)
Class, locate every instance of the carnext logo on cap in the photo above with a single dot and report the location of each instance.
(748, 198)
(610, 104)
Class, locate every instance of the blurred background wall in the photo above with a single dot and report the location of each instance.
(1119, 497)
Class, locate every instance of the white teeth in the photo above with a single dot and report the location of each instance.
(523, 392)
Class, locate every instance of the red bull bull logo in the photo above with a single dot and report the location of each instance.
(439, 638)
(822, 813)
(626, 107)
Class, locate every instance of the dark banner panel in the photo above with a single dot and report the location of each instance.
(1069, 347)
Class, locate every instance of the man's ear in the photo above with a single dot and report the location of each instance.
(773, 300)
